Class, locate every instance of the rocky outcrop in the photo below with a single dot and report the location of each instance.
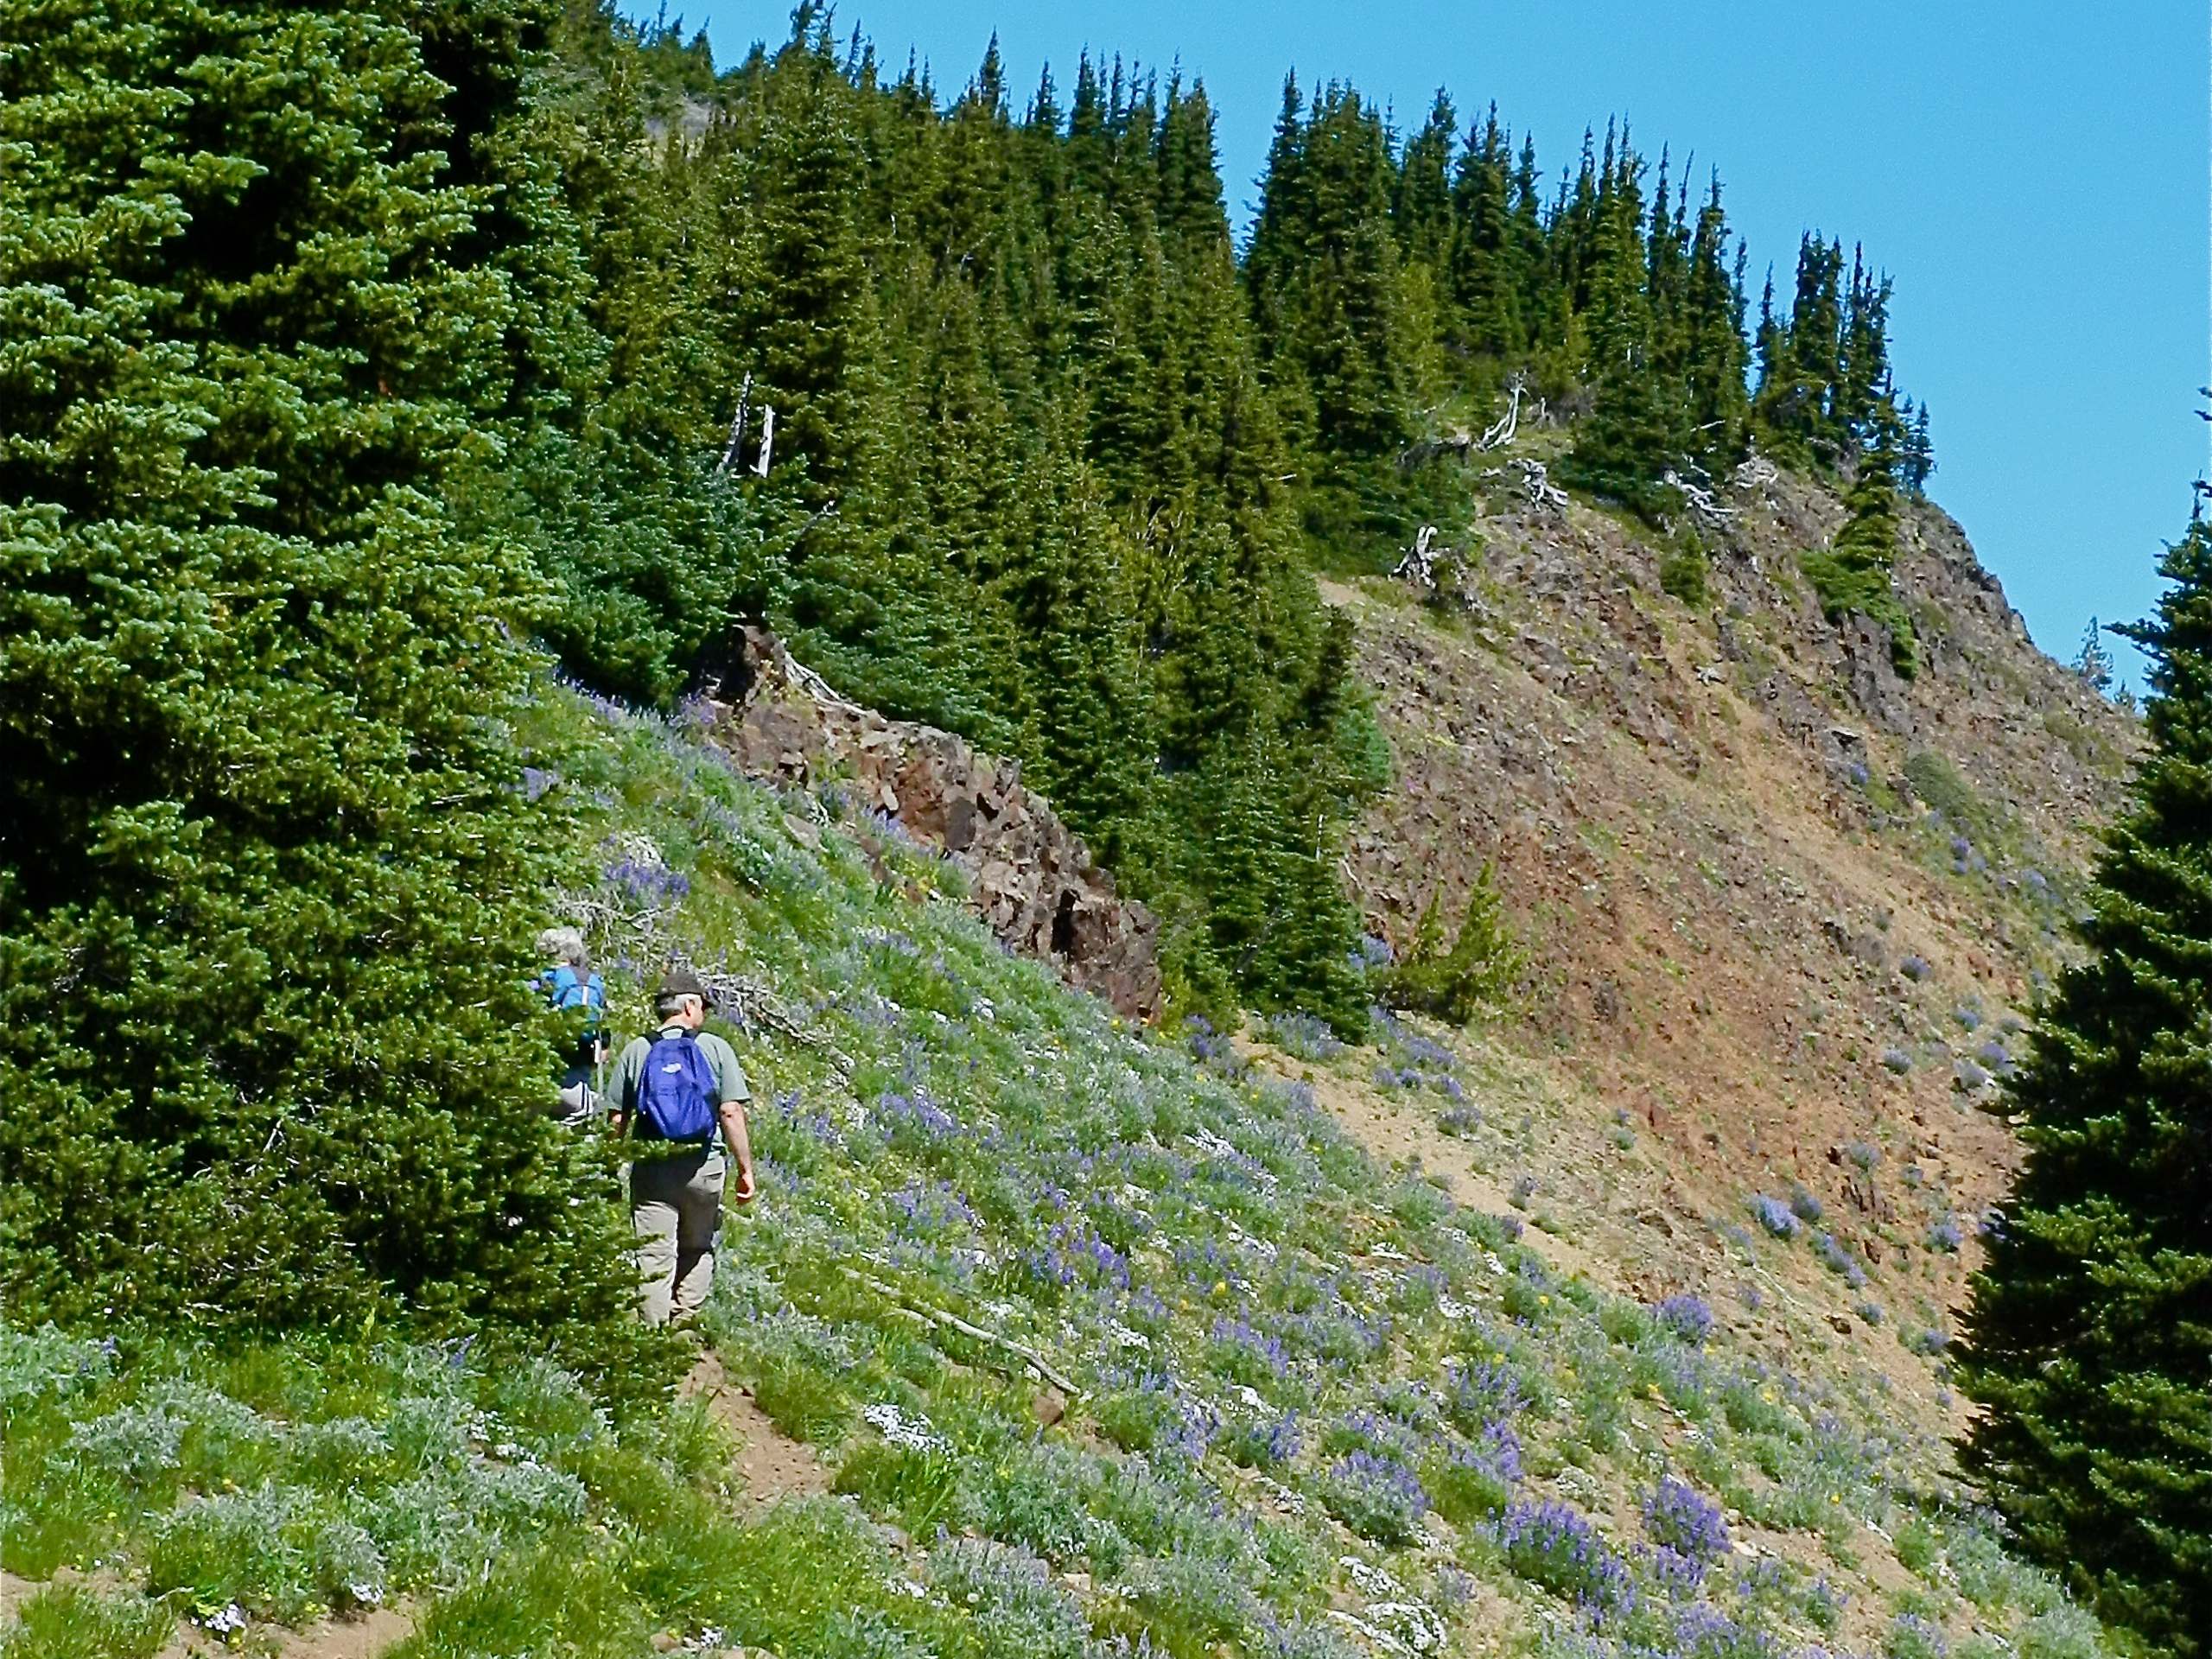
(1030, 876)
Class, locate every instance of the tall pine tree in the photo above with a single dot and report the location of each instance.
(2091, 1334)
(267, 874)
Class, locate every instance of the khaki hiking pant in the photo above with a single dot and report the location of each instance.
(675, 1209)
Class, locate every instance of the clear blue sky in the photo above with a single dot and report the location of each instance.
(2034, 176)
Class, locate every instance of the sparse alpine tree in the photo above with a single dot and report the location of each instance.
(2092, 662)
(2091, 1332)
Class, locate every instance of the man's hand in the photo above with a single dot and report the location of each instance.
(741, 1150)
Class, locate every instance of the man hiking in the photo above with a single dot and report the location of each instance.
(673, 1092)
(570, 983)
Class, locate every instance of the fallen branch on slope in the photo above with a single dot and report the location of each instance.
(926, 1315)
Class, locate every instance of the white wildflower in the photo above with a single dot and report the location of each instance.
(640, 849)
(898, 1430)
(231, 1618)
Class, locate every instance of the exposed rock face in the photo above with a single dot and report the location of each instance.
(1708, 824)
(1030, 876)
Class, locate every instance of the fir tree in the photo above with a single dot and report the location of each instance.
(1634, 432)
(1421, 212)
(267, 876)
(2093, 663)
(1919, 455)
(1855, 576)
(1488, 285)
(2091, 1349)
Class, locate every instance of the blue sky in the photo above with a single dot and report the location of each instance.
(2034, 175)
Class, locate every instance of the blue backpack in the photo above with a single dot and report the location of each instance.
(677, 1094)
(565, 989)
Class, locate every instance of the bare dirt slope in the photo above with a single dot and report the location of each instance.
(1784, 907)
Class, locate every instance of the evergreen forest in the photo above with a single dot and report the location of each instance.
(1056, 459)
(402, 404)
(1053, 459)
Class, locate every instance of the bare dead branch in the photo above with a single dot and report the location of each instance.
(926, 1315)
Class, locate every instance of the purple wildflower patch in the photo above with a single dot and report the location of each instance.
(1679, 1518)
(1774, 1216)
(1555, 1546)
(1839, 1262)
(1378, 1497)
(1687, 1317)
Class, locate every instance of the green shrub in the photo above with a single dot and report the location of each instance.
(1683, 573)
(1938, 784)
(74, 1621)
(1477, 969)
(1846, 587)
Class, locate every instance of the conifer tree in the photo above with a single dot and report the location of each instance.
(2091, 1349)
(1487, 282)
(1855, 575)
(1634, 432)
(1421, 212)
(2093, 663)
(267, 876)
(1919, 459)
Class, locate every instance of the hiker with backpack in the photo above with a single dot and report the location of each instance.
(570, 983)
(679, 1098)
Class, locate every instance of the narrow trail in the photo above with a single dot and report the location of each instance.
(773, 1465)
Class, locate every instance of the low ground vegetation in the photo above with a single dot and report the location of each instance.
(1320, 1407)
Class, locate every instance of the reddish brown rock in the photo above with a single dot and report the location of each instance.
(1030, 876)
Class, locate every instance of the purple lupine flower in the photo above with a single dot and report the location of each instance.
(1774, 1216)
(536, 780)
(1915, 969)
(1944, 1236)
(1484, 1392)
(1251, 1352)
(1303, 1036)
(1496, 1452)
(1376, 1497)
(1680, 1517)
(646, 883)
(1703, 1631)
(1688, 1317)
(1839, 1261)
(1679, 1575)
(1552, 1544)
(1911, 1636)
(916, 1113)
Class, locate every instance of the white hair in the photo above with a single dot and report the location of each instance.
(565, 943)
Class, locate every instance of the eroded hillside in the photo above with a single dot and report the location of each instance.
(1785, 909)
